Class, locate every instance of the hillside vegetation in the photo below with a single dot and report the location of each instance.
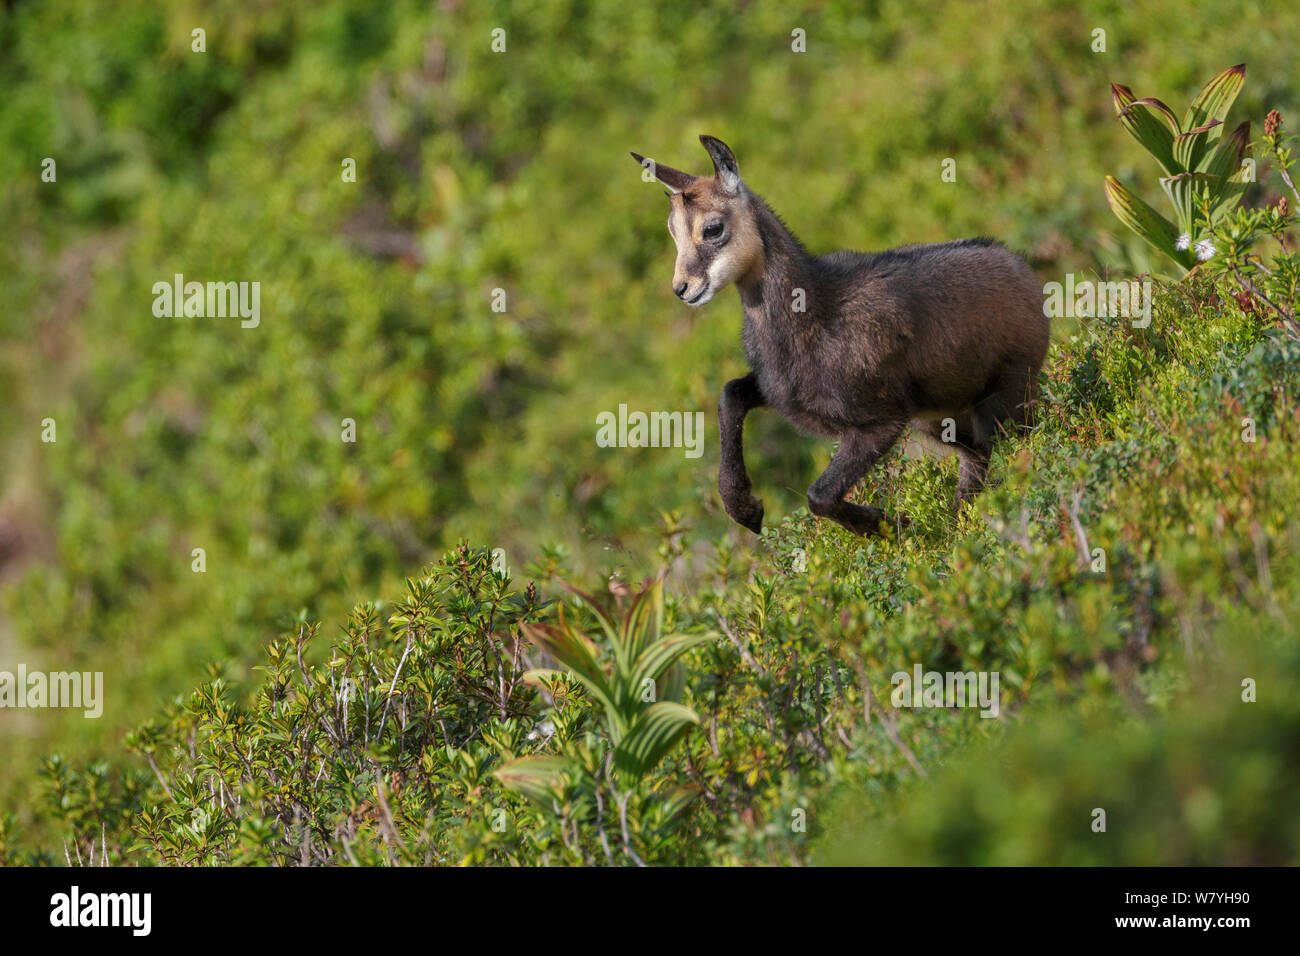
(358, 674)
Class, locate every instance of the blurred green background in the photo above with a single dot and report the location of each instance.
(476, 171)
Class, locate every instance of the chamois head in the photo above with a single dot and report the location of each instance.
(712, 222)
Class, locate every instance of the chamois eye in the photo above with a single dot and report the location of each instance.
(713, 230)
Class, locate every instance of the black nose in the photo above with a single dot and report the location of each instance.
(680, 290)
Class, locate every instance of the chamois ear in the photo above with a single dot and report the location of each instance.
(725, 169)
(674, 179)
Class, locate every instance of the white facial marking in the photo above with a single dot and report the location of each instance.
(724, 269)
(703, 297)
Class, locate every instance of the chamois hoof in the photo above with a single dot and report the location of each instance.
(891, 525)
(748, 514)
(862, 519)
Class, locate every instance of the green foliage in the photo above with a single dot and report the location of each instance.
(1273, 286)
(1203, 170)
(1172, 793)
(639, 689)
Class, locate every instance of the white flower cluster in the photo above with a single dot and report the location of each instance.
(1204, 248)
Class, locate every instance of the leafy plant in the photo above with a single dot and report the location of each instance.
(633, 675)
(1202, 169)
(1273, 286)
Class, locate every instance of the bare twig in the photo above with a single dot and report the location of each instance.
(410, 639)
(158, 773)
(887, 721)
(1080, 538)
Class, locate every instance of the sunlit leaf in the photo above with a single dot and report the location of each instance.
(535, 777)
(1212, 104)
(658, 727)
(1147, 223)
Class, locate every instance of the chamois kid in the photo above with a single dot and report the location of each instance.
(855, 346)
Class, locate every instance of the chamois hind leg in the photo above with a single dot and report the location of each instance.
(974, 446)
(969, 438)
(971, 474)
(858, 451)
(1005, 408)
(1012, 397)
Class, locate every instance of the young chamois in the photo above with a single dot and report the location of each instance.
(855, 346)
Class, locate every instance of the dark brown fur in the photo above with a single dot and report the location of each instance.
(918, 334)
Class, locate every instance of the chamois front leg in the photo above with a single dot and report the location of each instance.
(858, 451)
(738, 397)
